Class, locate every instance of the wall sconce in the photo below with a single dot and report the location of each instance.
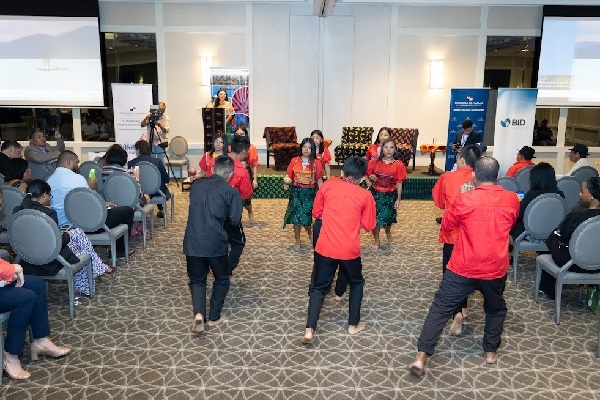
(206, 62)
(436, 73)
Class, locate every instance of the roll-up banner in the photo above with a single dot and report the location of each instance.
(465, 104)
(515, 117)
(131, 103)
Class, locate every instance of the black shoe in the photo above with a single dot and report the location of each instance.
(438, 220)
(160, 214)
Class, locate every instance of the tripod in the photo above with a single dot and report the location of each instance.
(163, 146)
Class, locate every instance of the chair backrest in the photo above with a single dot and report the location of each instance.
(357, 134)
(280, 134)
(178, 146)
(584, 173)
(583, 245)
(543, 215)
(149, 177)
(86, 209)
(12, 197)
(523, 178)
(121, 189)
(39, 171)
(508, 183)
(86, 167)
(34, 237)
(405, 143)
(571, 188)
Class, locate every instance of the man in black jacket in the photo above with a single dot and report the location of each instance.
(213, 204)
(466, 136)
(10, 149)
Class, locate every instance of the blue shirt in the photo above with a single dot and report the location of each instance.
(62, 181)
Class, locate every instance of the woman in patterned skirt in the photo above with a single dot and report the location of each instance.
(251, 165)
(303, 173)
(386, 175)
(323, 153)
(374, 150)
(218, 148)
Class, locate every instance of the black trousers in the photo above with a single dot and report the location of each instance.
(197, 269)
(237, 240)
(453, 290)
(117, 216)
(446, 253)
(342, 281)
(323, 274)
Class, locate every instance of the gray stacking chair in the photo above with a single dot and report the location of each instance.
(508, 183)
(541, 218)
(523, 178)
(39, 171)
(585, 253)
(12, 197)
(86, 167)
(35, 238)
(177, 152)
(584, 173)
(86, 209)
(571, 188)
(150, 183)
(123, 190)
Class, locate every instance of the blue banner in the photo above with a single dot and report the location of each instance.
(465, 104)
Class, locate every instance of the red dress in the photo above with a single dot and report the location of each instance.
(373, 151)
(388, 175)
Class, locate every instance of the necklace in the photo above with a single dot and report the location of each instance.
(305, 162)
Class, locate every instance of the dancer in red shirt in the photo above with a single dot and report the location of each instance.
(218, 148)
(339, 242)
(303, 173)
(479, 261)
(323, 153)
(386, 176)
(251, 165)
(374, 150)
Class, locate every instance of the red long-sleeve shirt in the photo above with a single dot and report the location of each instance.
(512, 171)
(241, 180)
(7, 271)
(345, 208)
(444, 193)
(207, 162)
(483, 217)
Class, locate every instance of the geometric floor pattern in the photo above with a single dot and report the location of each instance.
(132, 340)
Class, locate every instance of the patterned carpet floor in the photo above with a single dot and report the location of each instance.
(132, 340)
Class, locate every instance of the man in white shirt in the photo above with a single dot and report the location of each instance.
(160, 140)
(578, 155)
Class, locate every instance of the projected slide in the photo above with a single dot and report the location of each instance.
(50, 61)
(569, 63)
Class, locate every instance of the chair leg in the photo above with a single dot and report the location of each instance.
(580, 296)
(113, 251)
(172, 206)
(127, 247)
(515, 262)
(71, 285)
(90, 272)
(538, 279)
(164, 204)
(558, 290)
(144, 230)
(152, 225)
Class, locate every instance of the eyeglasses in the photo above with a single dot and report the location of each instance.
(49, 195)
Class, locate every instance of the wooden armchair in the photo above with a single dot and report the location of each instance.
(282, 144)
(406, 142)
(355, 142)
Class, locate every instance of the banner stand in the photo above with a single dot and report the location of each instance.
(131, 103)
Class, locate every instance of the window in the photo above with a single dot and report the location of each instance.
(16, 123)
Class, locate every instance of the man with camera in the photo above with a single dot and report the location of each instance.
(157, 123)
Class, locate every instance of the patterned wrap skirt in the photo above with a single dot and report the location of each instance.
(384, 205)
(299, 209)
(248, 202)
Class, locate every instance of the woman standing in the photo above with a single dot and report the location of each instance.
(374, 150)
(386, 175)
(323, 153)
(303, 173)
(251, 165)
(219, 147)
(222, 101)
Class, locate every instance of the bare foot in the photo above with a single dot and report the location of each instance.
(491, 357)
(354, 329)
(464, 313)
(417, 368)
(309, 336)
(389, 238)
(198, 324)
(297, 247)
(251, 218)
(223, 318)
(232, 279)
(456, 327)
(339, 298)
(376, 245)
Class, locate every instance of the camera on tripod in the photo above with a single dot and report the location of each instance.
(155, 114)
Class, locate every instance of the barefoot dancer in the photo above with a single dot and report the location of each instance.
(251, 165)
(339, 242)
(213, 203)
(386, 176)
(323, 153)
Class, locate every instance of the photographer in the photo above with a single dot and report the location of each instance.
(157, 118)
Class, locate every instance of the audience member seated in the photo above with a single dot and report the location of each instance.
(89, 129)
(543, 180)
(65, 179)
(116, 159)
(38, 198)
(543, 135)
(144, 153)
(17, 174)
(102, 160)
(558, 242)
(524, 157)
(578, 155)
(40, 152)
(25, 298)
(10, 149)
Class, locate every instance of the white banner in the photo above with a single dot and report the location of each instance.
(131, 103)
(515, 116)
